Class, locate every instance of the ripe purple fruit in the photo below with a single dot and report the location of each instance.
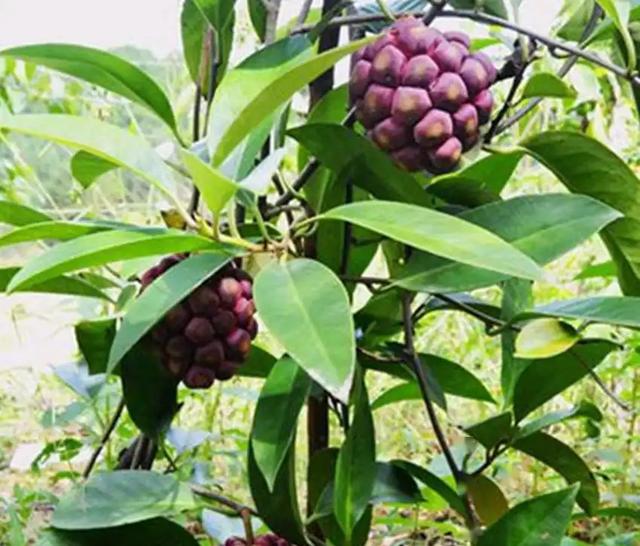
(421, 95)
(207, 336)
(269, 539)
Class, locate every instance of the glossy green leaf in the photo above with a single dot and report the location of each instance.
(438, 233)
(217, 12)
(152, 532)
(543, 227)
(258, 15)
(117, 498)
(546, 84)
(492, 431)
(15, 214)
(94, 338)
(72, 286)
(54, 229)
(102, 248)
(275, 419)
(541, 521)
(493, 7)
(615, 310)
(101, 139)
(262, 83)
(259, 363)
(159, 297)
(584, 409)
(338, 148)
(100, 68)
(488, 499)
(574, 27)
(599, 270)
(566, 462)
(545, 338)
(86, 168)
(150, 391)
(619, 12)
(306, 308)
(586, 166)
(394, 484)
(278, 506)
(356, 466)
(543, 379)
(216, 189)
(437, 484)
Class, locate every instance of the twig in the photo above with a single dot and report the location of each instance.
(221, 499)
(304, 12)
(414, 359)
(105, 438)
(564, 70)
(434, 9)
(469, 309)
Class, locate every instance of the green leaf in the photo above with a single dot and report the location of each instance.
(94, 338)
(493, 7)
(258, 15)
(306, 308)
(619, 12)
(340, 148)
(275, 419)
(566, 462)
(259, 363)
(101, 139)
(100, 68)
(71, 286)
(541, 521)
(438, 233)
(492, 431)
(86, 168)
(615, 310)
(159, 297)
(543, 379)
(584, 409)
(153, 532)
(546, 84)
(15, 214)
(356, 466)
(596, 271)
(488, 499)
(545, 338)
(278, 507)
(221, 526)
(149, 390)
(437, 484)
(217, 12)
(543, 227)
(117, 498)
(395, 484)
(586, 166)
(574, 27)
(102, 248)
(262, 83)
(54, 229)
(216, 189)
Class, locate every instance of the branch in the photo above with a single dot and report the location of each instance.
(414, 359)
(221, 499)
(304, 12)
(105, 438)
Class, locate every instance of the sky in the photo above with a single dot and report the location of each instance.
(151, 24)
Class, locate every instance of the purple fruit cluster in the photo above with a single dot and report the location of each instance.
(261, 540)
(207, 336)
(422, 95)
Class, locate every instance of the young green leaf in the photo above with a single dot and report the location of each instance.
(546, 84)
(274, 424)
(541, 380)
(584, 409)
(159, 297)
(15, 214)
(103, 69)
(543, 227)
(94, 338)
(566, 462)
(262, 83)
(545, 338)
(619, 12)
(541, 521)
(492, 431)
(152, 531)
(356, 466)
(306, 308)
(216, 189)
(117, 498)
(105, 247)
(101, 139)
(86, 168)
(394, 484)
(440, 234)
(72, 286)
(588, 167)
